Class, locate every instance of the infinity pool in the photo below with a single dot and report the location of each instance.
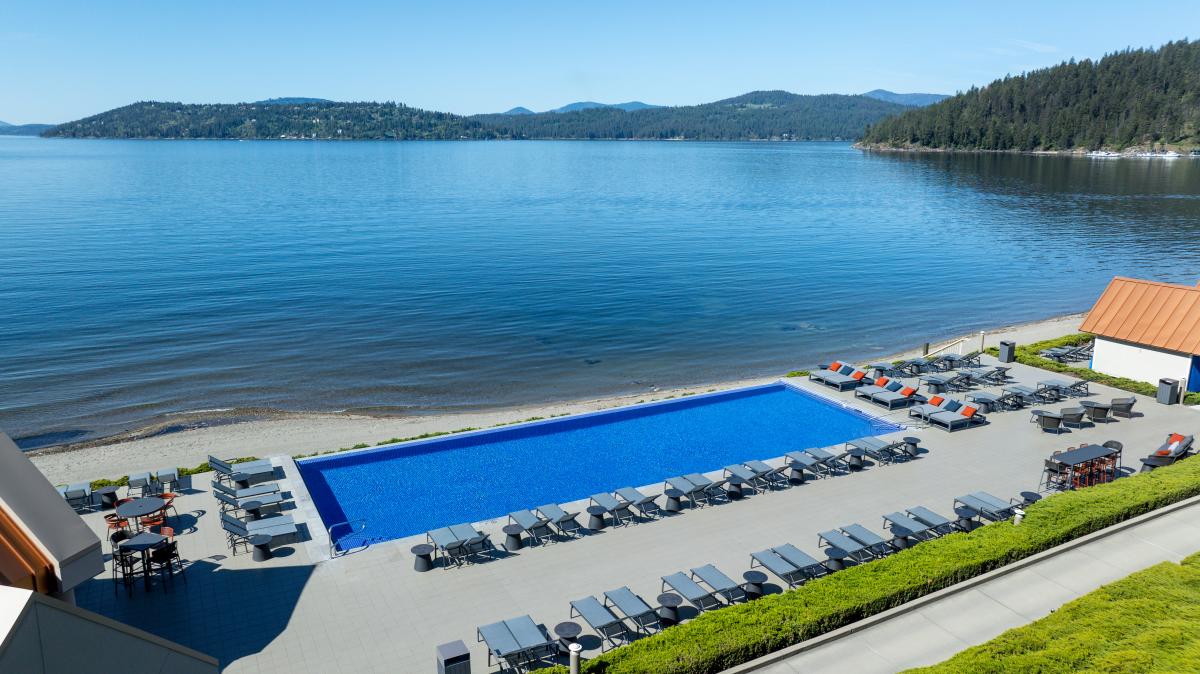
(405, 489)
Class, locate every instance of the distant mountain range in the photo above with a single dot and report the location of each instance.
(1130, 98)
(24, 129)
(759, 115)
(912, 100)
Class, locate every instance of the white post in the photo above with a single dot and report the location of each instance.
(1018, 516)
(575, 649)
(981, 333)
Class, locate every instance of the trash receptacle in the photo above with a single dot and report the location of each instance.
(1168, 391)
(453, 658)
(1008, 352)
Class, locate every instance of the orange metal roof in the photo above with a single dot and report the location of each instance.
(1162, 315)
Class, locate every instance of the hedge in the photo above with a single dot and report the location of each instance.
(1145, 622)
(720, 639)
(1029, 354)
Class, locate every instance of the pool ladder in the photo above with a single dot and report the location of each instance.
(353, 527)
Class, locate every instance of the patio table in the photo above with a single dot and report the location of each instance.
(1082, 461)
(143, 543)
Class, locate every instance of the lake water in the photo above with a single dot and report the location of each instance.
(145, 278)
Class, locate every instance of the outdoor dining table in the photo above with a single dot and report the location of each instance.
(144, 543)
(1082, 461)
(140, 507)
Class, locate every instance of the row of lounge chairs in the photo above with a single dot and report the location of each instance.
(622, 614)
(238, 486)
(1065, 354)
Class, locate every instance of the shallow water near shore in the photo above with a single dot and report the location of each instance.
(147, 278)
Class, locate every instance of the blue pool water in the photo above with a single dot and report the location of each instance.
(407, 489)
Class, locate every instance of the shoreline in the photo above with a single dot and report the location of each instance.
(1127, 153)
(266, 432)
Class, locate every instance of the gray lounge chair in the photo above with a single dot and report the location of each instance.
(537, 528)
(620, 512)
(602, 620)
(980, 504)
(233, 503)
(802, 461)
(835, 462)
(1169, 452)
(636, 610)
(845, 377)
(772, 478)
(870, 540)
(906, 395)
(719, 582)
(238, 532)
(749, 477)
(78, 495)
(518, 642)
(697, 596)
(937, 524)
(1096, 411)
(478, 543)
(139, 482)
(260, 489)
(696, 494)
(564, 522)
(877, 386)
(790, 564)
(713, 489)
(1072, 416)
(247, 471)
(645, 505)
(835, 540)
(883, 451)
(1123, 407)
(453, 549)
(952, 421)
(924, 410)
(903, 528)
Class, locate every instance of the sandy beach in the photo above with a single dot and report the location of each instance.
(316, 432)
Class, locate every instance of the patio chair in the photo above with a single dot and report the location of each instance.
(712, 489)
(750, 477)
(536, 528)
(883, 451)
(683, 585)
(963, 381)
(893, 398)
(165, 559)
(260, 489)
(1072, 416)
(839, 376)
(719, 582)
(834, 462)
(238, 532)
(562, 521)
(78, 495)
(620, 512)
(773, 478)
(247, 471)
(789, 563)
(603, 621)
(934, 405)
(477, 542)
(802, 461)
(645, 505)
(695, 493)
(981, 504)
(636, 610)
(964, 417)
(1054, 475)
(904, 527)
(229, 503)
(126, 564)
(167, 478)
(1122, 407)
(139, 482)
(1176, 446)
(1096, 411)
(870, 540)
(845, 547)
(877, 386)
(453, 549)
(971, 359)
(1047, 420)
(937, 524)
(518, 642)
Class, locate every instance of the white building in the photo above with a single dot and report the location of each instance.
(1146, 330)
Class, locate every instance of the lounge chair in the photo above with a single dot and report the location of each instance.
(913, 366)
(478, 542)
(645, 505)
(713, 489)
(747, 476)
(904, 527)
(696, 494)
(894, 396)
(238, 532)
(834, 539)
(1047, 420)
(697, 596)
(562, 521)
(1072, 416)
(453, 549)
(963, 381)
(1096, 411)
(719, 582)
(868, 390)
(635, 608)
(537, 528)
(620, 512)
(963, 417)
(231, 503)
(883, 451)
(139, 482)
(802, 461)
(870, 540)
(789, 563)
(602, 620)
(835, 462)
(936, 523)
(518, 642)
(980, 504)
(839, 376)
(78, 495)
(247, 471)
(1123, 407)
(773, 478)
(260, 489)
(934, 405)
(1176, 446)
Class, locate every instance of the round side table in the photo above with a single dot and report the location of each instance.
(512, 537)
(673, 496)
(855, 459)
(253, 509)
(567, 632)
(262, 547)
(596, 517)
(754, 583)
(668, 611)
(422, 557)
(911, 446)
(733, 488)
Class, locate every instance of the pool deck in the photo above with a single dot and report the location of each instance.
(369, 611)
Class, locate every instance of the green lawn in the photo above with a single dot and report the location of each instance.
(1147, 622)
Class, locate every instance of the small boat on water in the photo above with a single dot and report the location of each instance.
(1102, 154)
(1165, 154)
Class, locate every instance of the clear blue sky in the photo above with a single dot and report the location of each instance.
(64, 60)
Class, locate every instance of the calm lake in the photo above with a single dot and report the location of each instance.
(147, 277)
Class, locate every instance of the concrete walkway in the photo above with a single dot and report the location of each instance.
(954, 619)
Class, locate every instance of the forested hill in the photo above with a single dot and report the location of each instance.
(273, 120)
(754, 116)
(758, 115)
(1130, 98)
